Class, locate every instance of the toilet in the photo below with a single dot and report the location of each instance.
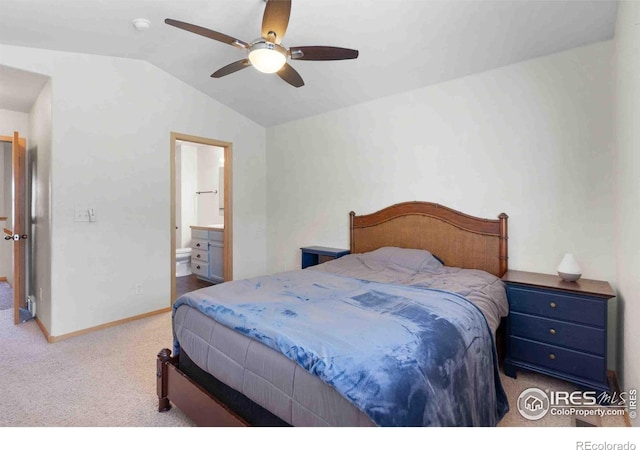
(183, 262)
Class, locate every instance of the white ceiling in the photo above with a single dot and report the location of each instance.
(403, 44)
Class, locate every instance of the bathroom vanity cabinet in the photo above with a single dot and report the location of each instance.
(207, 249)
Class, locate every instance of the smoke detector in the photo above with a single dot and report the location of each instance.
(141, 24)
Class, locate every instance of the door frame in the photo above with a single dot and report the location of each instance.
(227, 254)
(18, 188)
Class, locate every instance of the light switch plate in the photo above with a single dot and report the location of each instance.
(82, 215)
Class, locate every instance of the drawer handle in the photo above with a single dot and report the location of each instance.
(552, 356)
(198, 245)
(552, 304)
(198, 255)
(552, 331)
(197, 267)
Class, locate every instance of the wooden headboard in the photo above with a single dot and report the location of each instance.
(460, 240)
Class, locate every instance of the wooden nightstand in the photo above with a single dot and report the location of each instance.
(317, 255)
(558, 328)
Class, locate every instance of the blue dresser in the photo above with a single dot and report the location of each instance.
(558, 328)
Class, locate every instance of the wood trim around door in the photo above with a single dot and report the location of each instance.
(19, 297)
(228, 204)
(22, 141)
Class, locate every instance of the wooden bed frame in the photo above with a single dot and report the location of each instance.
(460, 240)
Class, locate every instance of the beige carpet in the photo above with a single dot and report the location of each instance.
(6, 296)
(107, 379)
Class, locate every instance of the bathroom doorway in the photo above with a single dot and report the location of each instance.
(201, 213)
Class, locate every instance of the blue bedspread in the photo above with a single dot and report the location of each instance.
(404, 356)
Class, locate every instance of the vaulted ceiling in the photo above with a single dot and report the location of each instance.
(403, 44)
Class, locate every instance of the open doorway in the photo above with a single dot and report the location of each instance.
(13, 211)
(201, 213)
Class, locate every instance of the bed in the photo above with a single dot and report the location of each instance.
(401, 332)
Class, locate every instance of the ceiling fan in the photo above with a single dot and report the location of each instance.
(266, 53)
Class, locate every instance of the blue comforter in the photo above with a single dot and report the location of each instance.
(404, 356)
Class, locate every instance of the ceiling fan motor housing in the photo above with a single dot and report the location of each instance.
(267, 57)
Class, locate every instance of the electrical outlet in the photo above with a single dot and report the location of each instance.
(138, 288)
(40, 296)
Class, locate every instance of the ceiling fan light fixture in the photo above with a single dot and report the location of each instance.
(267, 57)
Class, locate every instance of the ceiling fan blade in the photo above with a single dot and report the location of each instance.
(322, 53)
(276, 19)
(289, 74)
(231, 68)
(207, 33)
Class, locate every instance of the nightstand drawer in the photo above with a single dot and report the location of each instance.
(558, 359)
(199, 268)
(555, 332)
(557, 305)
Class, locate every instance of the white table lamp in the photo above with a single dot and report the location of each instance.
(569, 269)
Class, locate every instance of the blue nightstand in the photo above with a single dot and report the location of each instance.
(317, 255)
(558, 328)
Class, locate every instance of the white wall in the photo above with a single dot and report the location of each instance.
(627, 156)
(531, 139)
(178, 211)
(6, 249)
(6, 169)
(112, 119)
(4, 148)
(10, 121)
(189, 185)
(208, 180)
(39, 149)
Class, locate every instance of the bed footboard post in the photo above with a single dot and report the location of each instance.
(161, 373)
